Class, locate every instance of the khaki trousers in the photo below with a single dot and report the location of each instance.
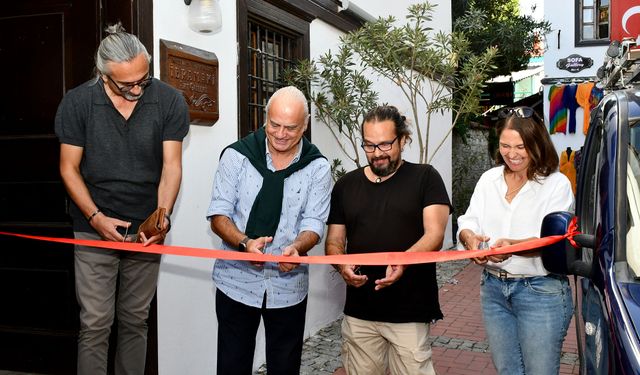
(97, 271)
(369, 348)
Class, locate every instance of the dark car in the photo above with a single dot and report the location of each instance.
(606, 261)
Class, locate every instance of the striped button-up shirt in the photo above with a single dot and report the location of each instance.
(305, 207)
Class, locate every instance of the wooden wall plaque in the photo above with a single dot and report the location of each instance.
(194, 72)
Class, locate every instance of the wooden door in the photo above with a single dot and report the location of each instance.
(46, 48)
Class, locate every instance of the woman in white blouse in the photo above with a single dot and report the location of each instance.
(526, 309)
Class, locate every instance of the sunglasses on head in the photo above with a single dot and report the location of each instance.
(522, 112)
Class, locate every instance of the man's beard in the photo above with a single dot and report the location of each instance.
(386, 171)
(131, 97)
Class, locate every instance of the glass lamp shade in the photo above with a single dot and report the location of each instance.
(205, 16)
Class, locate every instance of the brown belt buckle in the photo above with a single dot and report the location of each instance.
(502, 274)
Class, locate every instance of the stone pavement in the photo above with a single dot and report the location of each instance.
(458, 341)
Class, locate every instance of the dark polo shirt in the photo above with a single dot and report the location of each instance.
(122, 159)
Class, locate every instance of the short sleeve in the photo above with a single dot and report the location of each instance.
(433, 188)
(336, 212)
(176, 124)
(70, 121)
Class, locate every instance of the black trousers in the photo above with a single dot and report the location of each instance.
(237, 328)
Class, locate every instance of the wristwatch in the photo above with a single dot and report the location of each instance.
(242, 246)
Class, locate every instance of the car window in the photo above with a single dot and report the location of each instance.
(633, 200)
(588, 209)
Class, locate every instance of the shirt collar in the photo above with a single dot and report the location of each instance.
(502, 184)
(270, 159)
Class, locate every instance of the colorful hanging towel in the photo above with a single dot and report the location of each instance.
(583, 97)
(557, 111)
(596, 96)
(568, 167)
(569, 101)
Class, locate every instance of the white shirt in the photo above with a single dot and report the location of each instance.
(490, 214)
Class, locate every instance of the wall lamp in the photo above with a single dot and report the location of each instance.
(205, 16)
(355, 11)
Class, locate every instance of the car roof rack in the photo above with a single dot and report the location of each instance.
(621, 67)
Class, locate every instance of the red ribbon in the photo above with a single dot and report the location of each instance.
(366, 259)
(572, 231)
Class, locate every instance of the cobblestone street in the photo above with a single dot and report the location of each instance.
(458, 341)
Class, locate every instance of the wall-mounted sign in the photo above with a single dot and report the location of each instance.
(195, 73)
(574, 63)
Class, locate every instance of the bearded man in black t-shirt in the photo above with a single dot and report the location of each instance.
(389, 205)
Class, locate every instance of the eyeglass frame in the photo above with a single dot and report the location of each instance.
(143, 83)
(378, 146)
(521, 112)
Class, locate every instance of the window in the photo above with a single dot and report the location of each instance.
(265, 49)
(633, 197)
(272, 35)
(270, 51)
(592, 22)
(590, 169)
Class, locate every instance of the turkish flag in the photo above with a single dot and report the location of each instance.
(625, 19)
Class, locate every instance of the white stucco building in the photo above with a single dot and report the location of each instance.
(583, 28)
(186, 314)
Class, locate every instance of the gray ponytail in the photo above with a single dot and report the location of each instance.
(119, 46)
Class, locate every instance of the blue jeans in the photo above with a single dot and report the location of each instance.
(526, 320)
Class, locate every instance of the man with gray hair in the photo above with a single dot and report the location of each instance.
(120, 159)
(270, 195)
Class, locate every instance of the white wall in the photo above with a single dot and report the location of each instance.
(391, 94)
(526, 7)
(561, 16)
(186, 314)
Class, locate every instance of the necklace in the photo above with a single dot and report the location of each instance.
(378, 180)
(512, 192)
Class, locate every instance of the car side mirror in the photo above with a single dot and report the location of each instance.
(561, 257)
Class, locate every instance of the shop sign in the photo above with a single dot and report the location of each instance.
(574, 63)
(194, 72)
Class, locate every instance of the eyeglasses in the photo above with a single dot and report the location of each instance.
(384, 146)
(126, 88)
(522, 112)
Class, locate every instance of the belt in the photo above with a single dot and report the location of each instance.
(504, 275)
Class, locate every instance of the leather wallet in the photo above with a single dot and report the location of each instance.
(154, 224)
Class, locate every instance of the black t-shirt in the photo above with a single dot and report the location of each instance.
(122, 159)
(384, 217)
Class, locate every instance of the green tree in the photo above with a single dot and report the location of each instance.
(434, 70)
(342, 96)
(497, 23)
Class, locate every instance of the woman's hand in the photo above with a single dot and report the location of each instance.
(470, 240)
(498, 258)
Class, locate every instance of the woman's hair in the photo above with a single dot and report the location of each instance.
(119, 46)
(391, 113)
(542, 154)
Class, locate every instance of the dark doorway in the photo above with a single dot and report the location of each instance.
(46, 48)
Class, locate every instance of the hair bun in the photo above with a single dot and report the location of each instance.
(115, 28)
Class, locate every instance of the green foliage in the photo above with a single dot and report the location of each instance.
(342, 96)
(337, 170)
(496, 23)
(435, 69)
